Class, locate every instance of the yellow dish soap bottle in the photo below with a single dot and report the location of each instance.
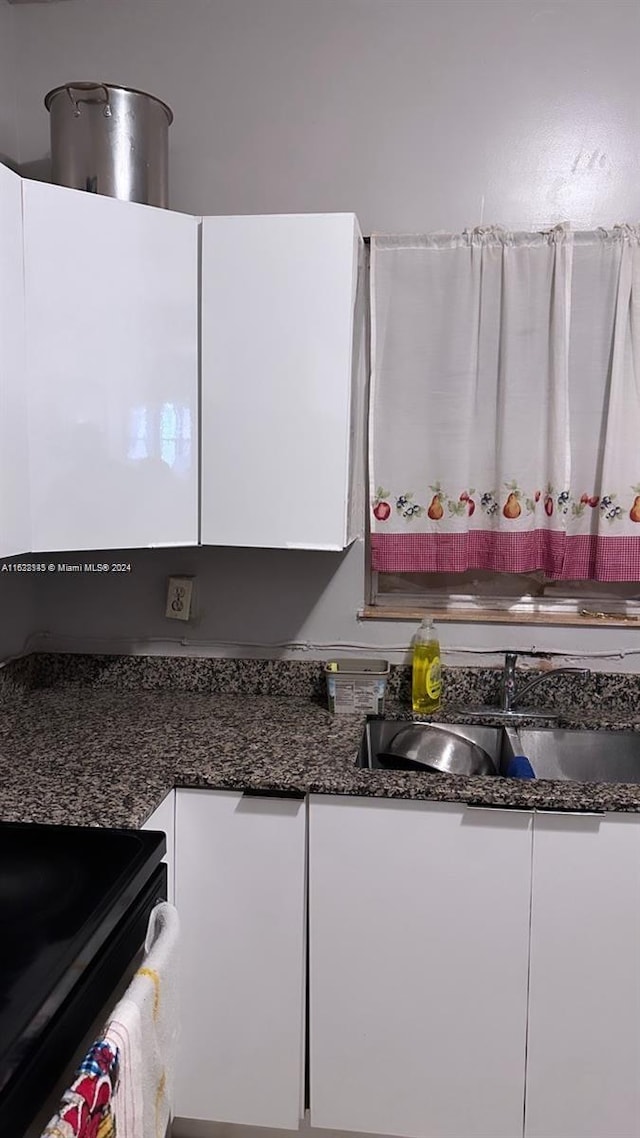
(426, 681)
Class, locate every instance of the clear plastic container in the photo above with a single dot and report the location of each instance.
(356, 685)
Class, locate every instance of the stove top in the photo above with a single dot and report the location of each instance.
(63, 891)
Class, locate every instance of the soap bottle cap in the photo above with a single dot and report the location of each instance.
(426, 630)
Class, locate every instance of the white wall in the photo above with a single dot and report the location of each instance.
(271, 603)
(8, 119)
(418, 115)
(16, 615)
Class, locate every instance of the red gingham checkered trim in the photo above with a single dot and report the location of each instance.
(581, 557)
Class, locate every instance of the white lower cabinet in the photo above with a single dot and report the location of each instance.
(240, 893)
(583, 1056)
(473, 973)
(419, 946)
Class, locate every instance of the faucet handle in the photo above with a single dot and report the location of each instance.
(508, 681)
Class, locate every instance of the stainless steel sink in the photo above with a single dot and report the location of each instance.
(587, 756)
(498, 742)
(554, 753)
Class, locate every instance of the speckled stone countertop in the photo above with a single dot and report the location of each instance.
(100, 753)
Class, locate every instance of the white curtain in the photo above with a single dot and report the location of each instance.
(505, 404)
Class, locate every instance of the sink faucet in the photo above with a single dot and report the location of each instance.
(509, 695)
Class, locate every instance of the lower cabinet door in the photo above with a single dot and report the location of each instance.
(583, 1069)
(240, 893)
(419, 937)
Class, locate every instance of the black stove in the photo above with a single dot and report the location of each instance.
(74, 908)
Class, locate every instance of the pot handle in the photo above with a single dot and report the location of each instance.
(76, 100)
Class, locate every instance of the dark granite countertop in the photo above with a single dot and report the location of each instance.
(83, 755)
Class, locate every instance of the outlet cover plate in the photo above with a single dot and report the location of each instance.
(179, 598)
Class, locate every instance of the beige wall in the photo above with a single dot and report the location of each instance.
(418, 115)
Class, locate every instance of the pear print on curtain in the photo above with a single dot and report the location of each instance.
(505, 403)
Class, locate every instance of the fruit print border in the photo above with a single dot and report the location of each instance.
(516, 503)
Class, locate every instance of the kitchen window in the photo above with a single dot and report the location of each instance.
(501, 597)
(505, 409)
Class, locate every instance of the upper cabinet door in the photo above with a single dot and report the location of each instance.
(14, 485)
(583, 1054)
(283, 380)
(111, 297)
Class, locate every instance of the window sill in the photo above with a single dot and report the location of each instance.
(585, 618)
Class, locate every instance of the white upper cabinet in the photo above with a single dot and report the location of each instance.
(111, 301)
(418, 955)
(14, 490)
(583, 1054)
(283, 381)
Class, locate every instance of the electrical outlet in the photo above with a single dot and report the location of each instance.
(179, 598)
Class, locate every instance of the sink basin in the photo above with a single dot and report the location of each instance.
(498, 742)
(587, 756)
(555, 753)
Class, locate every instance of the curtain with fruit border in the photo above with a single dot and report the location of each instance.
(505, 403)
